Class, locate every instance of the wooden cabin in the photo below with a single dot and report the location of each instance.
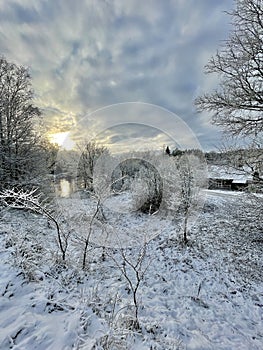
(226, 178)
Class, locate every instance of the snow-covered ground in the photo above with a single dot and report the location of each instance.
(204, 295)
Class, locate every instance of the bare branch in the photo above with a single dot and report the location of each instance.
(31, 200)
(237, 104)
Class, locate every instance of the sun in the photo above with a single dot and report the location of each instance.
(62, 139)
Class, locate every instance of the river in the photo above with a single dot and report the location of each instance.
(64, 188)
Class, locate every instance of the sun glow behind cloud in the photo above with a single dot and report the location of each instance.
(62, 139)
(155, 55)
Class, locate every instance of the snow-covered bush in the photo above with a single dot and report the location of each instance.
(147, 189)
(140, 176)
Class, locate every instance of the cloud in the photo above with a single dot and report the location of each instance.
(88, 54)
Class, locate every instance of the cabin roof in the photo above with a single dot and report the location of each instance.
(216, 172)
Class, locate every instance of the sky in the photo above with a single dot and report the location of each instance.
(128, 71)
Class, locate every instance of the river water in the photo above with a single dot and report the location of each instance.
(64, 188)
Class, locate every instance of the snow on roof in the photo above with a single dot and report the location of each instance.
(228, 173)
(240, 181)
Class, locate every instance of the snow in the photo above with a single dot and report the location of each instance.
(225, 172)
(204, 295)
(240, 180)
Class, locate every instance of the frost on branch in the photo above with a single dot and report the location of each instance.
(32, 201)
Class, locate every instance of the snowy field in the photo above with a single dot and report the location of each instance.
(207, 294)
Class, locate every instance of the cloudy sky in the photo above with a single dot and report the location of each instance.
(85, 55)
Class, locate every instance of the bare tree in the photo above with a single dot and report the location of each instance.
(238, 102)
(19, 142)
(90, 228)
(101, 190)
(133, 268)
(90, 152)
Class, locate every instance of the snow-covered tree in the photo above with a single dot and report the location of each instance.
(184, 177)
(192, 179)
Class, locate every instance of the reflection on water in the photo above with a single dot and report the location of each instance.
(65, 188)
